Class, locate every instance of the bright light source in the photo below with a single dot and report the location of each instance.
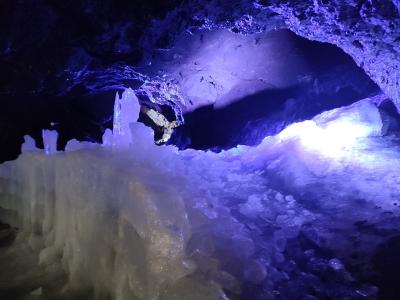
(333, 139)
(334, 132)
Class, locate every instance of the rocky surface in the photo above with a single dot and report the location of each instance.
(48, 47)
(54, 53)
(367, 30)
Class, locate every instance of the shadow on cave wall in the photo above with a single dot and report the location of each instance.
(334, 80)
(254, 117)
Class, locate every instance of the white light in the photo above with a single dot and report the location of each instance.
(334, 133)
(333, 140)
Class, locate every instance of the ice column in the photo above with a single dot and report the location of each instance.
(126, 112)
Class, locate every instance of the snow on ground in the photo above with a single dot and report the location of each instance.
(298, 217)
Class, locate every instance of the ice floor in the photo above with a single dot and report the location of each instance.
(312, 213)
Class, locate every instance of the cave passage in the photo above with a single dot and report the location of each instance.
(330, 79)
(199, 150)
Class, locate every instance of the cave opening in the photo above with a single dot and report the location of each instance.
(302, 78)
(325, 78)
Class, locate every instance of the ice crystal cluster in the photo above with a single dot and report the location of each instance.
(132, 220)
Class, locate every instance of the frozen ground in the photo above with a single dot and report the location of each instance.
(307, 214)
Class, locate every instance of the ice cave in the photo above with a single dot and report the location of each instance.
(200, 150)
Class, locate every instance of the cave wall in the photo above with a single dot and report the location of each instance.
(369, 31)
(74, 50)
(46, 46)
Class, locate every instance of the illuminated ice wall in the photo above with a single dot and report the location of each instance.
(131, 220)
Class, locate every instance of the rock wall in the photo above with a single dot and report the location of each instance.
(369, 31)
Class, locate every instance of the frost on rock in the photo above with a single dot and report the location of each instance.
(115, 221)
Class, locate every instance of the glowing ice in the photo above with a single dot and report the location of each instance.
(50, 141)
(136, 221)
(332, 132)
(28, 145)
(126, 112)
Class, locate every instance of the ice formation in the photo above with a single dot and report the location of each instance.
(131, 220)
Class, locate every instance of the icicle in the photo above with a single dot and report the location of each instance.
(50, 141)
(126, 112)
